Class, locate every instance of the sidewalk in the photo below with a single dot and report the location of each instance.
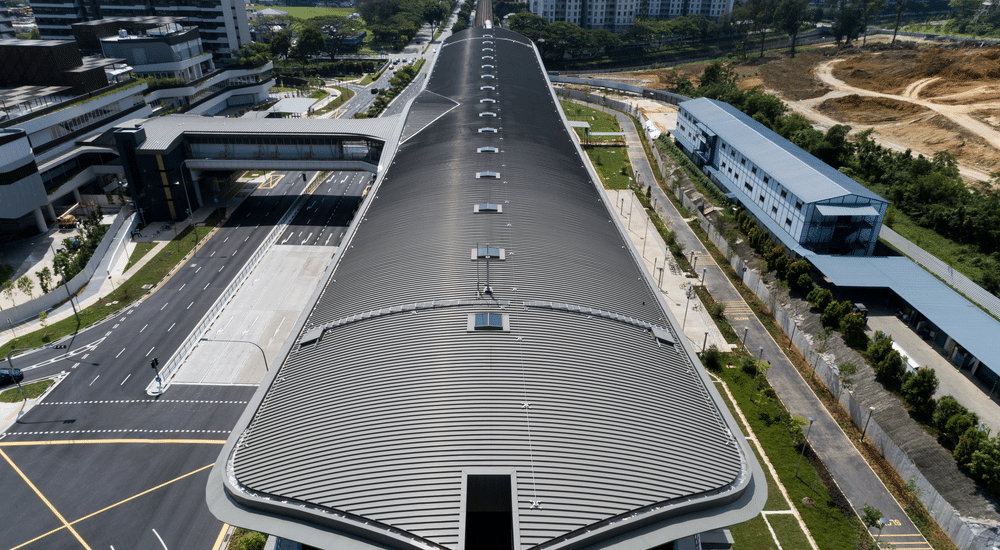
(850, 471)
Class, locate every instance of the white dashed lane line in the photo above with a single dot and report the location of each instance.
(150, 401)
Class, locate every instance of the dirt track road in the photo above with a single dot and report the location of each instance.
(959, 114)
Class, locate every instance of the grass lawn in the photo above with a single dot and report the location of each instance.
(140, 250)
(152, 273)
(599, 121)
(789, 533)
(345, 95)
(829, 526)
(754, 534)
(31, 391)
(609, 163)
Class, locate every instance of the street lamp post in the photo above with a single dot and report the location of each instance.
(686, 306)
(753, 388)
(10, 363)
(660, 286)
(703, 342)
(55, 263)
(809, 429)
(187, 199)
(262, 354)
(645, 232)
(745, 330)
(703, 270)
(870, 411)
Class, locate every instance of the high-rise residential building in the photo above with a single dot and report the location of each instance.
(620, 15)
(222, 24)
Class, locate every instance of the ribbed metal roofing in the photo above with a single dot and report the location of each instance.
(162, 133)
(961, 319)
(804, 175)
(371, 424)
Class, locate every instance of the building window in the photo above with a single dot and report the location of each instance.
(766, 179)
(788, 222)
(488, 321)
(743, 161)
(748, 187)
(723, 164)
(774, 209)
(784, 193)
(798, 205)
(762, 199)
(753, 170)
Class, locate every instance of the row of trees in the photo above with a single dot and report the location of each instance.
(394, 22)
(464, 17)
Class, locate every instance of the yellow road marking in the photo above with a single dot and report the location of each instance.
(270, 182)
(45, 500)
(222, 535)
(102, 510)
(93, 441)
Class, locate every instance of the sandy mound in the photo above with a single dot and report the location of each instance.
(869, 110)
(892, 71)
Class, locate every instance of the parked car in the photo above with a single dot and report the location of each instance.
(10, 376)
(374, 91)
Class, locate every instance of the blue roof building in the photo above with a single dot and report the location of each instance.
(802, 201)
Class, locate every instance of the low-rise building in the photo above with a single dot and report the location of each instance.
(807, 205)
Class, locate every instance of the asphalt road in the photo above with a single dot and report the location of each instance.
(99, 464)
(323, 220)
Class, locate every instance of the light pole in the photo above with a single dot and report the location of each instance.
(753, 388)
(10, 363)
(55, 263)
(703, 342)
(870, 411)
(660, 286)
(644, 233)
(262, 354)
(159, 380)
(703, 270)
(622, 211)
(686, 306)
(809, 429)
(745, 330)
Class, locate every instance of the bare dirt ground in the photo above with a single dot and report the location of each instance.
(921, 97)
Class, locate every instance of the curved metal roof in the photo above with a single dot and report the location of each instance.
(387, 400)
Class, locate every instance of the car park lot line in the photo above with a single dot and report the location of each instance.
(66, 525)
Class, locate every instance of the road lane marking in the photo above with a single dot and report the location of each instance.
(212, 254)
(164, 305)
(221, 268)
(116, 357)
(221, 537)
(189, 305)
(66, 524)
(206, 286)
(75, 365)
(171, 326)
(161, 540)
(182, 286)
(143, 328)
(197, 270)
(94, 380)
(115, 442)
(126, 378)
(105, 509)
(116, 325)
(150, 351)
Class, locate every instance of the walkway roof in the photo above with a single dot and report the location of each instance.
(807, 177)
(164, 133)
(968, 325)
(585, 393)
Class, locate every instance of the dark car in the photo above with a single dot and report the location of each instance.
(9, 376)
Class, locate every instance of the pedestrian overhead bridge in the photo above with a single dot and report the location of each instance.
(157, 149)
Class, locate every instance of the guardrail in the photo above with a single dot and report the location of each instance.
(184, 350)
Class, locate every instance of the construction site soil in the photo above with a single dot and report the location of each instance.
(917, 96)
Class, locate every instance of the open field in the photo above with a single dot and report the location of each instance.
(307, 12)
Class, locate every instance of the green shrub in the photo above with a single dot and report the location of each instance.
(918, 390)
(968, 444)
(852, 326)
(712, 358)
(887, 362)
(947, 408)
(819, 298)
(834, 312)
(251, 540)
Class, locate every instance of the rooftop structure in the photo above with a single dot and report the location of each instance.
(620, 15)
(489, 360)
(222, 23)
(806, 204)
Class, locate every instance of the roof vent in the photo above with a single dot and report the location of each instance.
(488, 76)
(488, 113)
(488, 174)
(487, 67)
(487, 207)
(487, 149)
(487, 87)
(663, 335)
(487, 49)
(487, 100)
(487, 130)
(487, 57)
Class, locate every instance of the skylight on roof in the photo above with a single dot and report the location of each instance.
(487, 57)
(488, 76)
(487, 207)
(489, 252)
(488, 174)
(487, 66)
(487, 49)
(487, 100)
(488, 113)
(488, 321)
(487, 130)
(487, 87)
(487, 149)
